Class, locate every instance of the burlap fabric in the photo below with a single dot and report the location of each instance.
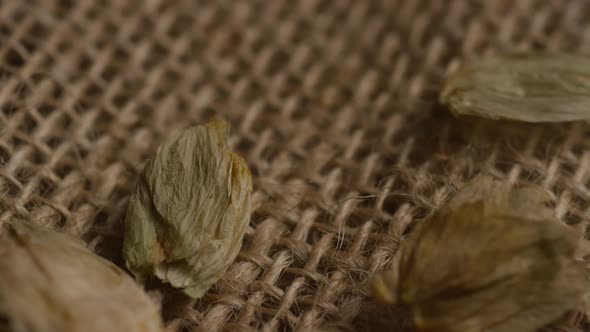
(332, 104)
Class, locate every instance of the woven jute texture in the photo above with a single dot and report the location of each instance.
(332, 104)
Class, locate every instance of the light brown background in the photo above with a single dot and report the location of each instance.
(332, 103)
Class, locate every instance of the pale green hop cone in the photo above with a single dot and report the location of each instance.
(530, 87)
(50, 282)
(186, 220)
(493, 259)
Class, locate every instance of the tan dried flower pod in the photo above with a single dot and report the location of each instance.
(186, 220)
(531, 87)
(50, 282)
(493, 259)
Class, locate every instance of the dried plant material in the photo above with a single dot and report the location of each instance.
(50, 282)
(532, 87)
(186, 220)
(493, 259)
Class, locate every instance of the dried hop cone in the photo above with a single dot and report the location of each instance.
(50, 282)
(186, 220)
(493, 259)
(531, 87)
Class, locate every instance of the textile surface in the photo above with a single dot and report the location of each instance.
(333, 104)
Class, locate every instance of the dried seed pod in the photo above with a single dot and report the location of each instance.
(50, 282)
(493, 259)
(531, 87)
(186, 220)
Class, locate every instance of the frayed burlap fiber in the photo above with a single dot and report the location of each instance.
(333, 104)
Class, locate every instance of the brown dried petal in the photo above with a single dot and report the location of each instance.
(186, 220)
(50, 282)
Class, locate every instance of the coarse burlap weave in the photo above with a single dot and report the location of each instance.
(332, 104)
